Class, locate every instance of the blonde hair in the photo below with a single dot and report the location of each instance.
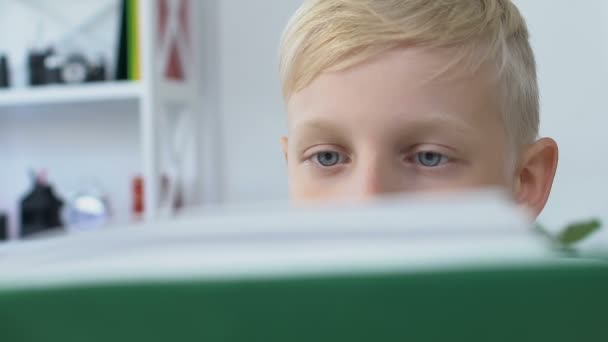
(331, 35)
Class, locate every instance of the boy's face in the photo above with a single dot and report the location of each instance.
(396, 124)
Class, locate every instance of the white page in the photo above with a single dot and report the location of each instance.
(404, 234)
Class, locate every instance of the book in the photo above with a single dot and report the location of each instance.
(464, 267)
(129, 49)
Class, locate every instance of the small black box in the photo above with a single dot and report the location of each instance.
(3, 227)
(5, 81)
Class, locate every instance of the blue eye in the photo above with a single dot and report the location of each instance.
(328, 158)
(430, 159)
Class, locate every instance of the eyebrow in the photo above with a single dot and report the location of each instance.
(316, 125)
(419, 126)
(436, 122)
(318, 129)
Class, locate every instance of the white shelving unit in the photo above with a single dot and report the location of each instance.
(168, 107)
(70, 94)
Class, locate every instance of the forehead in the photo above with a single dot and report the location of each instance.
(401, 86)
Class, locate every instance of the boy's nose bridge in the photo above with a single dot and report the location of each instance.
(376, 176)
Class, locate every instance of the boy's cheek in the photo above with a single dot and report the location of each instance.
(305, 185)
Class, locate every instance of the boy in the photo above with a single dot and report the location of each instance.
(390, 96)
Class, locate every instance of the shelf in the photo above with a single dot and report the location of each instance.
(66, 94)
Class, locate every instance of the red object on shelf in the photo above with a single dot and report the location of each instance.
(174, 40)
(174, 71)
(138, 196)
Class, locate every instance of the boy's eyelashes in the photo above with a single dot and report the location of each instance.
(327, 156)
(428, 159)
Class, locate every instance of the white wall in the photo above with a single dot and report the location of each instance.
(250, 102)
(571, 43)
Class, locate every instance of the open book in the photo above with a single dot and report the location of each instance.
(267, 240)
(461, 267)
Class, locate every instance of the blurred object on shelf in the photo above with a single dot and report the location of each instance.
(127, 60)
(75, 69)
(48, 67)
(137, 188)
(171, 197)
(37, 66)
(52, 69)
(98, 70)
(87, 209)
(40, 208)
(3, 226)
(5, 81)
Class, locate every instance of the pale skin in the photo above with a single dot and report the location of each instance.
(391, 125)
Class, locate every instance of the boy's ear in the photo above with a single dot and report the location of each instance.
(284, 144)
(535, 174)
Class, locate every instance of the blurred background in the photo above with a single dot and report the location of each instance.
(120, 110)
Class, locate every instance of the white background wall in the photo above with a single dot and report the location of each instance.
(571, 44)
(251, 106)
